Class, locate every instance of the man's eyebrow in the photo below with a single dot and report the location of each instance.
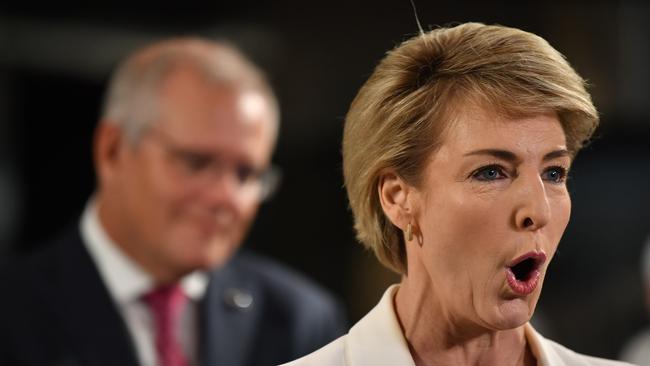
(512, 157)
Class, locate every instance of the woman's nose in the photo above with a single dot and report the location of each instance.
(533, 210)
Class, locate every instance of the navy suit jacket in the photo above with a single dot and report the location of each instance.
(55, 310)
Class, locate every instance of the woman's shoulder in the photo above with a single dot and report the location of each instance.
(551, 353)
(637, 349)
(330, 355)
(571, 358)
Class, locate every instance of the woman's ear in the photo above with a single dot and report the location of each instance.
(394, 197)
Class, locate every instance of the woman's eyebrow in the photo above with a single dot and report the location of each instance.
(557, 154)
(497, 153)
(512, 157)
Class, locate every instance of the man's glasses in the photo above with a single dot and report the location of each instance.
(200, 168)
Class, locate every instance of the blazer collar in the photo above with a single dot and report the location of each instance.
(542, 349)
(377, 338)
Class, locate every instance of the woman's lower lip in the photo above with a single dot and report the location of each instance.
(525, 287)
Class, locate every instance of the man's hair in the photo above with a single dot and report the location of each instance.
(131, 101)
(399, 115)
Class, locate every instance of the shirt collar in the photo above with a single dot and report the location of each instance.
(125, 279)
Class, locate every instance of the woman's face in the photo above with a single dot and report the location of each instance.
(491, 210)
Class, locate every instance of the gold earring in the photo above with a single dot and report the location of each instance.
(409, 232)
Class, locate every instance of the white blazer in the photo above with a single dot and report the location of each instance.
(377, 340)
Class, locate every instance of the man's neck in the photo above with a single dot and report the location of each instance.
(111, 222)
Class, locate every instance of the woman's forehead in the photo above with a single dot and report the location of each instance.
(479, 129)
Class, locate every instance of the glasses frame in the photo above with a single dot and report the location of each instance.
(268, 178)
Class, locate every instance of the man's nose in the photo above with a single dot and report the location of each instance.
(222, 187)
(533, 210)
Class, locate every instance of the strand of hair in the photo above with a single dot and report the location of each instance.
(417, 19)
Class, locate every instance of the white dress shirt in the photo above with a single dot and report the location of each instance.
(377, 340)
(127, 282)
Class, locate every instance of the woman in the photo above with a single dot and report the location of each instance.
(455, 154)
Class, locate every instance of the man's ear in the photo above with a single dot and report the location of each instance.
(107, 143)
(394, 197)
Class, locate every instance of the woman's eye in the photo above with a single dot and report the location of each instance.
(556, 174)
(489, 173)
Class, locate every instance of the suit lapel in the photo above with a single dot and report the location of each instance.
(230, 311)
(89, 315)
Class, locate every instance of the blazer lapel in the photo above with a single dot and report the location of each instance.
(89, 315)
(377, 338)
(230, 310)
(542, 349)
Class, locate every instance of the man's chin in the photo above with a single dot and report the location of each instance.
(213, 257)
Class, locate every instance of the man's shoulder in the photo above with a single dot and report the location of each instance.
(35, 279)
(30, 310)
(288, 305)
(18, 269)
(280, 281)
(41, 260)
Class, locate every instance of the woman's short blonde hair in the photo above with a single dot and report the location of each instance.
(399, 115)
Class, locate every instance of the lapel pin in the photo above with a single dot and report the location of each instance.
(238, 299)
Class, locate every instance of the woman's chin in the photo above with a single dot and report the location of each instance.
(512, 314)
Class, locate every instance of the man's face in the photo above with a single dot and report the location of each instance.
(187, 191)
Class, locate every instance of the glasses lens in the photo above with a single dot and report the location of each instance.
(270, 181)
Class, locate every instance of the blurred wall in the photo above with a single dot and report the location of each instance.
(54, 63)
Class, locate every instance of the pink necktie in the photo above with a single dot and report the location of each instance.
(166, 304)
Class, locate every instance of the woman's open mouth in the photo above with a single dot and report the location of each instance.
(523, 273)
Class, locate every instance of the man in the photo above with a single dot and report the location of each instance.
(152, 275)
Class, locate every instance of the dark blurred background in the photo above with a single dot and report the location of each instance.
(55, 61)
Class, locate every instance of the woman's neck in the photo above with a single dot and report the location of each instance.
(436, 337)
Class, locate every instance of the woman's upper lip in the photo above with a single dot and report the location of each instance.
(538, 256)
